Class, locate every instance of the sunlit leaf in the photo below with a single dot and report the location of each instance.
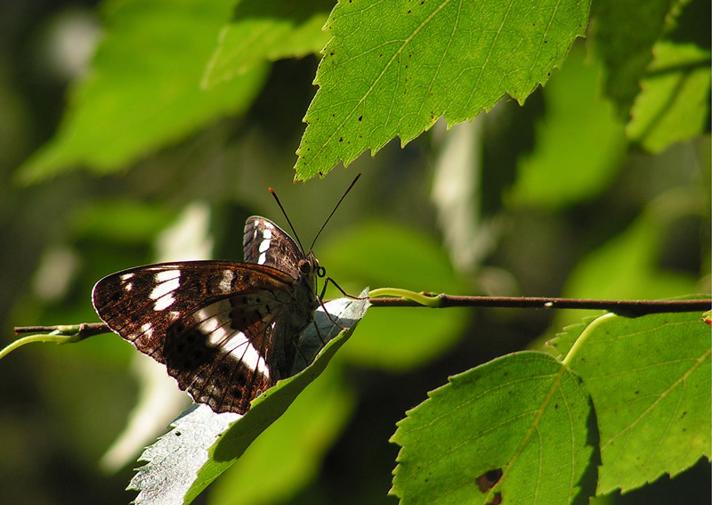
(650, 380)
(267, 30)
(514, 430)
(562, 342)
(143, 88)
(393, 68)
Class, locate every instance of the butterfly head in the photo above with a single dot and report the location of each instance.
(309, 268)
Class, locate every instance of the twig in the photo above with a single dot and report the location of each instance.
(412, 299)
(623, 307)
(81, 330)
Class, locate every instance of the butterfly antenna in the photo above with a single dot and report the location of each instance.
(332, 212)
(291, 226)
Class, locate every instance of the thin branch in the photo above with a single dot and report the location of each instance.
(412, 299)
(81, 330)
(623, 307)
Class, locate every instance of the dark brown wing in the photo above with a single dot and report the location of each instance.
(222, 354)
(210, 322)
(265, 243)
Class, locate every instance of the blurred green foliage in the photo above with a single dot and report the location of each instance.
(587, 205)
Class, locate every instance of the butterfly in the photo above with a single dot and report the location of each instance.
(226, 331)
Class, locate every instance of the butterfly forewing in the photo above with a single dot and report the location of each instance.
(212, 323)
(265, 243)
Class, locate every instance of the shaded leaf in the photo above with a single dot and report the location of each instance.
(266, 30)
(579, 142)
(393, 68)
(524, 415)
(650, 380)
(143, 88)
(674, 103)
(202, 444)
(382, 254)
(123, 221)
(627, 266)
(624, 35)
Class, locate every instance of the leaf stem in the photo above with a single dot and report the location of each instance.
(57, 334)
(583, 337)
(42, 337)
(419, 299)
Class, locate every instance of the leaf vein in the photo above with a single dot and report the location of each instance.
(662, 396)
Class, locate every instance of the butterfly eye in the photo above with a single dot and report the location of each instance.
(305, 267)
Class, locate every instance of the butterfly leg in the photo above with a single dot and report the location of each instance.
(326, 283)
(330, 317)
(318, 332)
(301, 354)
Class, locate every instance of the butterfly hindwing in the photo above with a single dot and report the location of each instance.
(221, 353)
(265, 243)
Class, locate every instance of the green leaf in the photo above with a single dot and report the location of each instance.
(624, 35)
(123, 221)
(380, 254)
(650, 380)
(565, 339)
(202, 444)
(674, 103)
(393, 68)
(579, 142)
(524, 414)
(143, 88)
(267, 30)
(298, 441)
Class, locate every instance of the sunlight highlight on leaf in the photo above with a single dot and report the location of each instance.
(650, 379)
(393, 68)
(523, 419)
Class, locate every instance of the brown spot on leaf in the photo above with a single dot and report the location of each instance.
(488, 480)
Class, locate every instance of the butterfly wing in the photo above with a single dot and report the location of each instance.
(212, 323)
(265, 243)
